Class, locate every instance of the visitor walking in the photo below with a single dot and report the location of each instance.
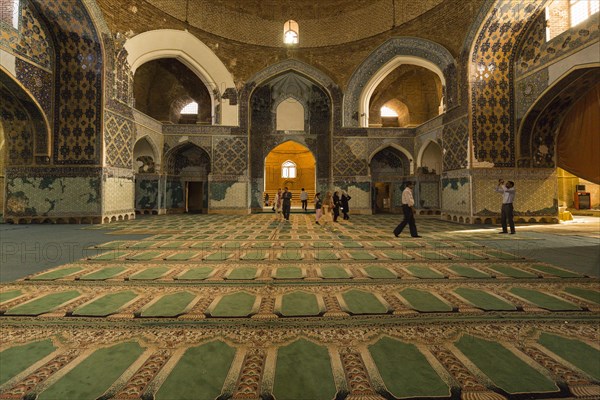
(408, 203)
(327, 217)
(336, 205)
(508, 196)
(344, 201)
(266, 199)
(287, 203)
(318, 207)
(304, 200)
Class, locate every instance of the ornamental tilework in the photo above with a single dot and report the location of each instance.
(528, 91)
(429, 195)
(394, 47)
(49, 196)
(146, 192)
(455, 137)
(79, 82)
(350, 157)
(492, 71)
(118, 140)
(536, 192)
(536, 52)
(456, 195)
(38, 82)
(31, 41)
(230, 156)
(545, 131)
(118, 192)
(18, 130)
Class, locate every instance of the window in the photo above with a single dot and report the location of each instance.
(564, 14)
(290, 32)
(191, 108)
(581, 10)
(288, 170)
(388, 112)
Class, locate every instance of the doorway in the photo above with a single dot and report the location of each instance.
(194, 199)
(290, 165)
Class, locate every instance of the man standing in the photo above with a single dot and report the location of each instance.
(508, 196)
(408, 203)
(304, 200)
(287, 203)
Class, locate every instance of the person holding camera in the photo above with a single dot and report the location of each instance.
(508, 196)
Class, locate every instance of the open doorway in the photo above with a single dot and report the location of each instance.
(290, 165)
(389, 169)
(194, 198)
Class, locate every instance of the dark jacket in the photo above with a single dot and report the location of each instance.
(336, 201)
(344, 201)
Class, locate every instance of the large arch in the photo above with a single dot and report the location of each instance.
(311, 87)
(193, 53)
(386, 58)
(536, 137)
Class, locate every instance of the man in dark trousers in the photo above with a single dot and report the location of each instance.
(408, 203)
(508, 196)
(287, 203)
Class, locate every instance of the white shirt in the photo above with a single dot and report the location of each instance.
(407, 197)
(508, 195)
(303, 195)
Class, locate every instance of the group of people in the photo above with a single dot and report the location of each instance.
(282, 203)
(328, 210)
(506, 217)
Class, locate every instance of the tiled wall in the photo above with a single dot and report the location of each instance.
(146, 192)
(536, 191)
(118, 193)
(51, 196)
(456, 193)
(228, 197)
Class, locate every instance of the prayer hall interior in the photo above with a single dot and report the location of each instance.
(139, 140)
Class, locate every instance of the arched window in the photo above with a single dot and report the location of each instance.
(290, 32)
(191, 108)
(388, 112)
(288, 169)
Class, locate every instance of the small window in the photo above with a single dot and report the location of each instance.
(15, 13)
(581, 10)
(290, 32)
(191, 108)
(288, 169)
(388, 112)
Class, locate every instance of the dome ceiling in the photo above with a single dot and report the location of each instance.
(321, 23)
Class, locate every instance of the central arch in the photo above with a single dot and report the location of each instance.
(288, 157)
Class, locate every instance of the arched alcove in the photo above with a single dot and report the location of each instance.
(163, 87)
(390, 55)
(430, 158)
(190, 51)
(389, 167)
(187, 167)
(311, 88)
(285, 155)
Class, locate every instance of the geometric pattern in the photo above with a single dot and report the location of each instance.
(455, 139)
(456, 304)
(386, 53)
(492, 108)
(537, 52)
(118, 137)
(350, 155)
(78, 89)
(31, 41)
(18, 129)
(230, 156)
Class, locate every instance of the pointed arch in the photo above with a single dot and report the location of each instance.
(397, 147)
(424, 147)
(194, 54)
(388, 56)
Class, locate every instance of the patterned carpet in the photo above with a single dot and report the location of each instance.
(251, 307)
